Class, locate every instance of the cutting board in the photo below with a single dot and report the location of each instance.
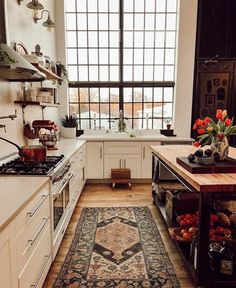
(225, 166)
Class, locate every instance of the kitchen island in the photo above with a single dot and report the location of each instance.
(209, 189)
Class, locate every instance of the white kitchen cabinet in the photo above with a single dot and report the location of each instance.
(94, 160)
(147, 159)
(7, 256)
(122, 155)
(26, 244)
(78, 170)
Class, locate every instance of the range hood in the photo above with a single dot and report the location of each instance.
(13, 67)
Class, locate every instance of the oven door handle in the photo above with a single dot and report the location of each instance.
(64, 183)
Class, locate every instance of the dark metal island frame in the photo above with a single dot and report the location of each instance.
(209, 188)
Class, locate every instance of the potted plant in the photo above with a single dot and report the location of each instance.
(69, 125)
(62, 73)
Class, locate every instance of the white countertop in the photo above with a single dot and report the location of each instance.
(67, 147)
(15, 193)
(126, 137)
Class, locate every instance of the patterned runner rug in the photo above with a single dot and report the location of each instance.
(117, 247)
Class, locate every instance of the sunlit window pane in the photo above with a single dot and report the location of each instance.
(150, 5)
(83, 73)
(71, 39)
(139, 5)
(139, 22)
(103, 22)
(138, 73)
(148, 73)
(72, 56)
(149, 39)
(160, 22)
(128, 73)
(128, 22)
(128, 56)
(128, 6)
(114, 73)
(171, 22)
(128, 94)
(103, 6)
(128, 39)
(138, 56)
(92, 5)
(72, 71)
(93, 56)
(158, 73)
(114, 94)
(93, 73)
(103, 75)
(168, 94)
(171, 5)
(138, 39)
(82, 39)
(148, 56)
(92, 39)
(160, 39)
(92, 21)
(71, 21)
(114, 39)
(170, 56)
(170, 39)
(159, 56)
(82, 22)
(94, 95)
(161, 5)
(169, 73)
(81, 5)
(149, 22)
(70, 5)
(158, 94)
(103, 39)
(114, 56)
(103, 56)
(73, 94)
(114, 22)
(104, 94)
(114, 5)
(83, 56)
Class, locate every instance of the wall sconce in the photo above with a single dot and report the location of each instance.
(48, 23)
(34, 4)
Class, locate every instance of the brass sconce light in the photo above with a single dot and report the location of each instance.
(48, 23)
(34, 4)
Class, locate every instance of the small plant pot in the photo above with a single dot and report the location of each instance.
(68, 132)
(168, 126)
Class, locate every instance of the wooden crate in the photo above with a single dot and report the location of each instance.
(120, 176)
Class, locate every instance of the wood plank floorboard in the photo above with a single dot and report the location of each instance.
(101, 195)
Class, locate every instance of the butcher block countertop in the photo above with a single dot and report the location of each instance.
(218, 182)
(16, 192)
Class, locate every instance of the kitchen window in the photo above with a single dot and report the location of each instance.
(121, 55)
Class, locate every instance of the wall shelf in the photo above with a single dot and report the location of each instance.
(49, 74)
(34, 103)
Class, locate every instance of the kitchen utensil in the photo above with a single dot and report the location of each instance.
(30, 153)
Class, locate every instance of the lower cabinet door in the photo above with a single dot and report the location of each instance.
(112, 161)
(133, 162)
(35, 271)
(5, 259)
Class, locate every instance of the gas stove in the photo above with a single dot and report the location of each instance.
(18, 167)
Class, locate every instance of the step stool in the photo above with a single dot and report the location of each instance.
(120, 176)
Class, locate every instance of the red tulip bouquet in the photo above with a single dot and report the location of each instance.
(209, 131)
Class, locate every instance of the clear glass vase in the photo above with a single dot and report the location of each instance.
(221, 146)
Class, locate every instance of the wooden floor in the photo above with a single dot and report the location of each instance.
(101, 195)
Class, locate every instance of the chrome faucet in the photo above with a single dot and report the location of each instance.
(121, 123)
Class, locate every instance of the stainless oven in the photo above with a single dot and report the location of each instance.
(60, 204)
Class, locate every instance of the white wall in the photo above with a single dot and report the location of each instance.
(21, 27)
(185, 67)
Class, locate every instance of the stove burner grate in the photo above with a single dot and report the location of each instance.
(19, 167)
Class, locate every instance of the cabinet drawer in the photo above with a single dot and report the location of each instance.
(31, 233)
(32, 210)
(38, 265)
(122, 147)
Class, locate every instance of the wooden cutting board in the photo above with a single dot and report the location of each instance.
(225, 166)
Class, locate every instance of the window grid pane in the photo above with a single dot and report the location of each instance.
(93, 56)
